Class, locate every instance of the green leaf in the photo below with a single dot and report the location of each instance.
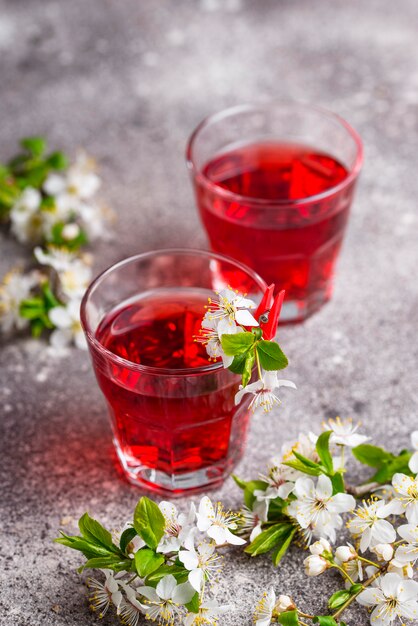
(338, 599)
(194, 605)
(371, 455)
(85, 547)
(37, 327)
(248, 368)
(49, 297)
(305, 461)
(325, 620)
(237, 344)
(251, 486)
(338, 485)
(301, 467)
(271, 356)
(95, 533)
(58, 161)
(355, 588)
(322, 448)
(396, 464)
(126, 537)
(149, 522)
(281, 550)
(108, 562)
(180, 573)
(238, 364)
(35, 145)
(238, 481)
(147, 561)
(288, 618)
(268, 539)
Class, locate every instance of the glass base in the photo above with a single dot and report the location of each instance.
(174, 485)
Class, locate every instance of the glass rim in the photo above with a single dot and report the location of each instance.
(163, 371)
(263, 202)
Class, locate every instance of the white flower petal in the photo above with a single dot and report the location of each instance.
(245, 318)
(166, 587)
(149, 592)
(189, 559)
(183, 593)
(324, 487)
(218, 534)
(408, 590)
(195, 579)
(413, 462)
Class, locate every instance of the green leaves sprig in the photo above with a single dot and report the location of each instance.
(29, 168)
(385, 463)
(247, 348)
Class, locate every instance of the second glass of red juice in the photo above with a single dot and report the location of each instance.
(274, 184)
(175, 424)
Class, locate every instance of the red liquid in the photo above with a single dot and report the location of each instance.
(175, 424)
(294, 247)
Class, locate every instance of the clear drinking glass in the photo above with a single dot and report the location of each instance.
(274, 184)
(175, 424)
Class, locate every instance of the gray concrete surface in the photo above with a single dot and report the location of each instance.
(129, 80)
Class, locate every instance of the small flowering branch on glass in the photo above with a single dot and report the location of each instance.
(50, 204)
(245, 341)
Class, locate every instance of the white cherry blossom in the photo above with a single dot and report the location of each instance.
(263, 391)
(15, 288)
(130, 610)
(413, 461)
(405, 500)
(202, 563)
(404, 570)
(25, 217)
(178, 527)
(68, 329)
(280, 480)
(264, 609)
(305, 445)
(104, 594)
(250, 520)
(344, 433)
(316, 506)
(217, 523)
(408, 552)
(393, 598)
(79, 182)
(211, 334)
(368, 525)
(60, 259)
(231, 306)
(163, 602)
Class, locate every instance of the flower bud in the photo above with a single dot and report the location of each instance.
(320, 546)
(315, 565)
(70, 231)
(383, 551)
(284, 603)
(345, 553)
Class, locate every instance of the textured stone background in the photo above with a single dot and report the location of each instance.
(129, 80)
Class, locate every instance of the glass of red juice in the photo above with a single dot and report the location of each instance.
(274, 184)
(175, 424)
